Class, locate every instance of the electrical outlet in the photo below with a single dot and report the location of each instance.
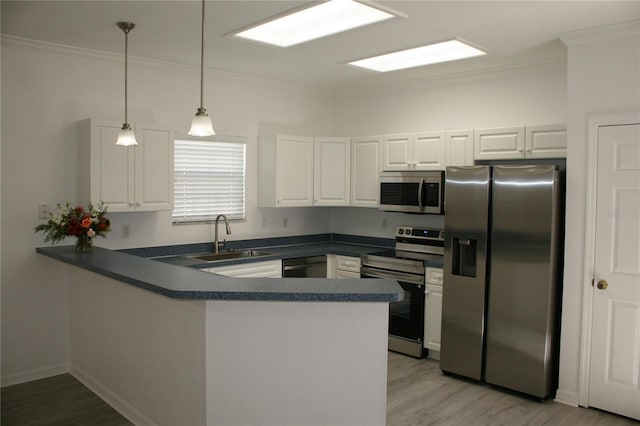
(43, 211)
(125, 230)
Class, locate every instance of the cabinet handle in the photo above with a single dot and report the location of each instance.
(528, 149)
(519, 149)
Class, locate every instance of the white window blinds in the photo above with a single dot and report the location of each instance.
(209, 179)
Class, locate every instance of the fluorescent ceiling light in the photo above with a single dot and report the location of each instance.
(451, 50)
(326, 18)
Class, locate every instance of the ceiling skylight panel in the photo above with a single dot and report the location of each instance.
(325, 19)
(451, 50)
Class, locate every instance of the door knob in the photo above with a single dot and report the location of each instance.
(602, 284)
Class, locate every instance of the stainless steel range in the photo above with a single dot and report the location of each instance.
(406, 264)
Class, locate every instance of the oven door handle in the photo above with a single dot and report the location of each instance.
(398, 276)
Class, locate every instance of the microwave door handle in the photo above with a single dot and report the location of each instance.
(420, 194)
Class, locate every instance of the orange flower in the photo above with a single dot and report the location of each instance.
(86, 222)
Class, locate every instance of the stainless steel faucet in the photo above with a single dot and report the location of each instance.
(216, 244)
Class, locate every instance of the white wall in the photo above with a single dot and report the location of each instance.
(46, 89)
(603, 77)
(533, 94)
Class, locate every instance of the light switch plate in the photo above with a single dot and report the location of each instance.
(43, 211)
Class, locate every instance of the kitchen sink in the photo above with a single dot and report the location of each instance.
(228, 255)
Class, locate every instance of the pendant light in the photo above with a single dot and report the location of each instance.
(126, 137)
(201, 124)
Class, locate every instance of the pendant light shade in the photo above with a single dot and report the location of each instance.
(126, 137)
(201, 124)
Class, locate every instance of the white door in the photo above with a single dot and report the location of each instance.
(332, 176)
(428, 151)
(398, 152)
(366, 165)
(294, 171)
(153, 168)
(615, 336)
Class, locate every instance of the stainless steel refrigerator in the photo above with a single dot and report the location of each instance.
(502, 278)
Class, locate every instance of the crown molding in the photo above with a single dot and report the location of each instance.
(551, 63)
(603, 33)
(10, 41)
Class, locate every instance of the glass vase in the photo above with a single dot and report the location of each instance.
(83, 244)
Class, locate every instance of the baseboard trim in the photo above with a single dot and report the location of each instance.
(567, 397)
(117, 403)
(36, 374)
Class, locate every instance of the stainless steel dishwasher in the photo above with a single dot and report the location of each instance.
(305, 267)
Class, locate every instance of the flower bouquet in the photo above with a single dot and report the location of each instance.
(78, 222)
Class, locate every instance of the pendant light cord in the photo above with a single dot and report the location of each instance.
(126, 83)
(202, 59)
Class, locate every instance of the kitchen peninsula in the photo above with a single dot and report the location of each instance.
(166, 344)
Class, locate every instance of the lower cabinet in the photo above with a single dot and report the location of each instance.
(339, 266)
(268, 269)
(433, 311)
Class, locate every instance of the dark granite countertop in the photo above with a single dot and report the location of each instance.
(189, 283)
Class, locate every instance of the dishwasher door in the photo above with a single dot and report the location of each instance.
(305, 267)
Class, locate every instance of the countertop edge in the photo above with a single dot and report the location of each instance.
(178, 282)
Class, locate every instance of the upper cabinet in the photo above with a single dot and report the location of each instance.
(126, 179)
(331, 175)
(300, 171)
(459, 147)
(414, 151)
(499, 143)
(521, 142)
(366, 165)
(546, 141)
(285, 171)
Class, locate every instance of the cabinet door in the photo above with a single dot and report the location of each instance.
(398, 152)
(294, 171)
(459, 148)
(153, 168)
(348, 264)
(111, 167)
(546, 141)
(498, 144)
(428, 151)
(366, 165)
(433, 317)
(332, 175)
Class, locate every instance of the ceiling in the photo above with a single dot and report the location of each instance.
(512, 32)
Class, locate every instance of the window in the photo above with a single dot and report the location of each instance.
(209, 179)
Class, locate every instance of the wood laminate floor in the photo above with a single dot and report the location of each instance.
(418, 394)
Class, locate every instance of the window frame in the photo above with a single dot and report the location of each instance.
(222, 139)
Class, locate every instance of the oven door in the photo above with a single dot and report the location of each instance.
(406, 318)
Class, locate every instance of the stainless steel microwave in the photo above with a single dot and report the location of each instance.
(412, 192)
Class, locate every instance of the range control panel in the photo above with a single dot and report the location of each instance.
(404, 232)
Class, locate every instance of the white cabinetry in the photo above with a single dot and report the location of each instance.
(433, 311)
(414, 151)
(285, 171)
(546, 141)
(302, 171)
(347, 267)
(332, 175)
(459, 147)
(521, 142)
(500, 143)
(366, 165)
(268, 269)
(126, 179)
